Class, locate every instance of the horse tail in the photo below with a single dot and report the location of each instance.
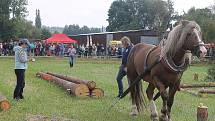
(137, 91)
(137, 96)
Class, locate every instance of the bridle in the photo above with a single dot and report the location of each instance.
(196, 50)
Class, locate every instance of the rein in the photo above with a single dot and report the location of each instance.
(139, 77)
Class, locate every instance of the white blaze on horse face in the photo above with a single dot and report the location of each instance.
(201, 43)
(203, 50)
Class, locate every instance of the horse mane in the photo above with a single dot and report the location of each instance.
(176, 38)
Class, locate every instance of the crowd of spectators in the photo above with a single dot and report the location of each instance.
(57, 49)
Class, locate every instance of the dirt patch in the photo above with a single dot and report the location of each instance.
(30, 117)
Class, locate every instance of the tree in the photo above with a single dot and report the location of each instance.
(84, 30)
(211, 74)
(16, 8)
(206, 19)
(76, 29)
(38, 23)
(140, 14)
(119, 16)
(5, 25)
(45, 33)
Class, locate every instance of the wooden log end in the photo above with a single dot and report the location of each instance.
(38, 74)
(202, 113)
(97, 93)
(4, 105)
(91, 85)
(44, 76)
(47, 77)
(81, 90)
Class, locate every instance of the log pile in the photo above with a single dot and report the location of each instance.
(4, 103)
(77, 87)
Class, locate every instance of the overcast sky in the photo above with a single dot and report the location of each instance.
(92, 13)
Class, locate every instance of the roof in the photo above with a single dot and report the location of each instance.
(111, 32)
(60, 38)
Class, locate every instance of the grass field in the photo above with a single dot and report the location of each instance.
(45, 99)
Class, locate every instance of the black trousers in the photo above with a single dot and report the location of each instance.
(20, 75)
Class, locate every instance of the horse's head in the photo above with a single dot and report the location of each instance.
(193, 38)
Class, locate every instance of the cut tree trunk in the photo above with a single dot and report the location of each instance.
(4, 103)
(194, 93)
(80, 90)
(97, 92)
(202, 113)
(44, 76)
(91, 84)
(197, 85)
(206, 91)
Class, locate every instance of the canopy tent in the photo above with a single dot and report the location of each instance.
(60, 38)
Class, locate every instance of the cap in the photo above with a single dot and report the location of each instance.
(24, 41)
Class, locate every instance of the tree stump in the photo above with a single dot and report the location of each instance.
(202, 113)
(97, 93)
(4, 103)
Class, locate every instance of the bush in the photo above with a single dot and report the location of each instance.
(211, 74)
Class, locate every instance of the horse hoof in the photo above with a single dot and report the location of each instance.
(134, 111)
(134, 114)
(163, 118)
(154, 118)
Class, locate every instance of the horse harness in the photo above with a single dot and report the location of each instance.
(168, 64)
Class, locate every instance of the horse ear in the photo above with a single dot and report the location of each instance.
(184, 22)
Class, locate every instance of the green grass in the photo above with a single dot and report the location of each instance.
(43, 98)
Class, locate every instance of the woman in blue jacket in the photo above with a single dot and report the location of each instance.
(20, 67)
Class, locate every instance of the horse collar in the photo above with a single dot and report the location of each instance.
(170, 65)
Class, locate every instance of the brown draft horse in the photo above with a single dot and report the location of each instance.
(167, 73)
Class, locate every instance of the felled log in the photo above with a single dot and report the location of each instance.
(206, 91)
(4, 103)
(97, 93)
(91, 84)
(202, 113)
(197, 85)
(80, 90)
(44, 76)
(194, 93)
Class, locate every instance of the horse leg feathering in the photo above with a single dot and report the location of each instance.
(152, 106)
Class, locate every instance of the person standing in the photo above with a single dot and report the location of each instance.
(71, 52)
(20, 67)
(122, 69)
